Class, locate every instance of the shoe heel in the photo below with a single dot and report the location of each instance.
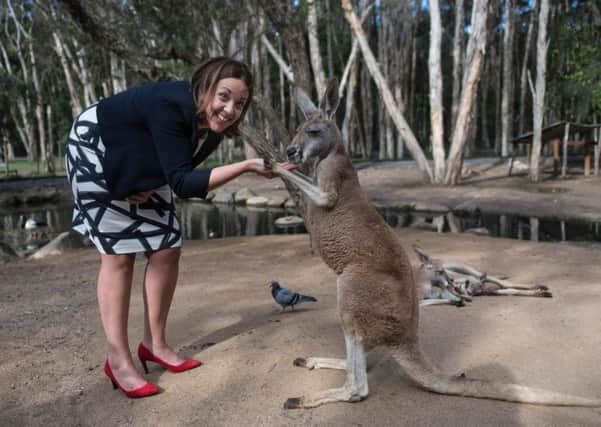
(143, 361)
(115, 386)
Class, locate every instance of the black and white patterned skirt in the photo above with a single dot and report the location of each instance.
(115, 226)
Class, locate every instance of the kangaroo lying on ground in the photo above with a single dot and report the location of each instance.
(454, 283)
(378, 300)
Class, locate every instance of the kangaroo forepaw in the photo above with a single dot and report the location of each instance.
(300, 361)
(293, 403)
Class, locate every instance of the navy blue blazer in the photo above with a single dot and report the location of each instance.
(150, 133)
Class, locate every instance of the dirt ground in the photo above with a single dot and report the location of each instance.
(52, 344)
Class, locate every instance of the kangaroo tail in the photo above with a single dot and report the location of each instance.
(306, 298)
(426, 376)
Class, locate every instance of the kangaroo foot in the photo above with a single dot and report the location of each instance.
(342, 394)
(320, 363)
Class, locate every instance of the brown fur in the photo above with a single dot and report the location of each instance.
(377, 294)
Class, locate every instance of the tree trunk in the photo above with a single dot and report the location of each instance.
(397, 117)
(524, 69)
(475, 56)
(435, 75)
(507, 94)
(542, 45)
(316, 64)
(73, 95)
(457, 56)
(118, 79)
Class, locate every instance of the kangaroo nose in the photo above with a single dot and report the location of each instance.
(291, 151)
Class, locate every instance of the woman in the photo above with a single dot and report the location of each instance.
(125, 156)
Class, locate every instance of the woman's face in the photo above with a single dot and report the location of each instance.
(227, 104)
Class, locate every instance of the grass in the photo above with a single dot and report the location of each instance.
(22, 168)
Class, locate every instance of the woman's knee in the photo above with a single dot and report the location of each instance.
(121, 262)
(168, 256)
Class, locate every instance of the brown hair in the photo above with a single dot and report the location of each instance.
(203, 83)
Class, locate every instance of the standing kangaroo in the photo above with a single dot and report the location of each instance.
(378, 300)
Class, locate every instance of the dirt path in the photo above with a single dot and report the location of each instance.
(52, 344)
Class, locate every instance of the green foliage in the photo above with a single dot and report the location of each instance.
(574, 71)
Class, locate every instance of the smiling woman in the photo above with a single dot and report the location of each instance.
(126, 155)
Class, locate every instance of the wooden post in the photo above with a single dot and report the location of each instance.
(564, 166)
(587, 158)
(555, 144)
(597, 133)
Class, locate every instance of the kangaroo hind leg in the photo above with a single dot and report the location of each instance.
(354, 389)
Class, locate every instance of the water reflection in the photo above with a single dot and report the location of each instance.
(507, 226)
(202, 221)
(199, 221)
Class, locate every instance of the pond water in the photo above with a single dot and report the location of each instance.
(199, 221)
(498, 225)
(202, 221)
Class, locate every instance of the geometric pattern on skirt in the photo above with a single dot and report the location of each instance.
(114, 226)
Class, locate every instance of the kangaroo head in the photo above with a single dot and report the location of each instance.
(318, 135)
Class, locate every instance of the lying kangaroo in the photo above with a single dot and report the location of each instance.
(378, 300)
(450, 282)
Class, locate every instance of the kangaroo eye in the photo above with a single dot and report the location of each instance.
(313, 132)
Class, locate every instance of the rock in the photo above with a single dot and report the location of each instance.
(428, 207)
(9, 199)
(243, 195)
(478, 231)
(277, 201)
(6, 252)
(519, 166)
(67, 240)
(289, 221)
(223, 196)
(257, 201)
(40, 195)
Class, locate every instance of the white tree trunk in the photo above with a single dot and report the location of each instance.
(524, 70)
(278, 59)
(475, 56)
(74, 99)
(393, 110)
(435, 75)
(118, 78)
(457, 57)
(507, 94)
(315, 54)
(542, 45)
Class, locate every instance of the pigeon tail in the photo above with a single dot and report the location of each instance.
(306, 298)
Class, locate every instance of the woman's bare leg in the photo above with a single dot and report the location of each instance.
(160, 279)
(114, 290)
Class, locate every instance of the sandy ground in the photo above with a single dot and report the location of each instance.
(52, 344)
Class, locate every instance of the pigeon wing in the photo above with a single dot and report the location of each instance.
(286, 296)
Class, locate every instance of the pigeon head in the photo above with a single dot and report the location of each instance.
(275, 286)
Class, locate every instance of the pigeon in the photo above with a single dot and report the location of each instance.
(286, 297)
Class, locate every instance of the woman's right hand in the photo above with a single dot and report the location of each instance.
(141, 197)
(262, 168)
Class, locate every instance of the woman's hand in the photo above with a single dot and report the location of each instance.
(141, 197)
(260, 167)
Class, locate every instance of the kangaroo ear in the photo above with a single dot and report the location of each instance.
(304, 103)
(423, 257)
(330, 100)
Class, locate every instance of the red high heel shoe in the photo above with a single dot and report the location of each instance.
(147, 389)
(144, 354)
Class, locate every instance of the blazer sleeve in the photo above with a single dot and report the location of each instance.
(171, 136)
